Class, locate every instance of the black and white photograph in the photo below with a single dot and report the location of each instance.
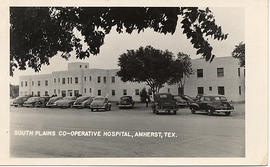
(127, 82)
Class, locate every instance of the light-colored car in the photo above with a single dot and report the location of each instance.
(66, 102)
(51, 102)
(83, 101)
(100, 102)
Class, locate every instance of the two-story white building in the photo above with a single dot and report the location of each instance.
(222, 76)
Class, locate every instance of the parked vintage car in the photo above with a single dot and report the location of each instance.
(100, 102)
(51, 102)
(36, 102)
(212, 104)
(164, 102)
(66, 102)
(180, 101)
(126, 102)
(19, 101)
(83, 101)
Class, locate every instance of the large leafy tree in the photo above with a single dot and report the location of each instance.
(181, 69)
(148, 65)
(39, 33)
(239, 53)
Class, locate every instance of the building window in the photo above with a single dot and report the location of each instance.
(199, 73)
(46, 82)
(80, 66)
(200, 90)
(68, 80)
(76, 80)
(63, 92)
(238, 72)
(169, 90)
(90, 78)
(104, 79)
(54, 80)
(99, 92)
(240, 92)
(221, 90)
(113, 79)
(84, 79)
(84, 90)
(98, 79)
(38, 83)
(38, 93)
(76, 93)
(137, 92)
(220, 72)
(113, 92)
(46, 93)
(32, 93)
(32, 83)
(25, 83)
(180, 90)
(21, 84)
(63, 81)
(85, 66)
(70, 92)
(124, 92)
(90, 90)
(210, 88)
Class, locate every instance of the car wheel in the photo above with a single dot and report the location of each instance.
(174, 112)
(227, 113)
(193, 111)
(210, 112)
(156, 111)
(92, 109)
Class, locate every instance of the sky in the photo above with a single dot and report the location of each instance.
(232, 21)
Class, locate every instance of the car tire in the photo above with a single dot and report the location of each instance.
(156, 112)
(174, 112)
(227, 113)
(193, 111)
(210, 112)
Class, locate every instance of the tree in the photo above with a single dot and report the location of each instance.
(239, 53)
(181, 68)
(148, 65)
(39, 33)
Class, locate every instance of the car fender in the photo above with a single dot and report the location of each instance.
(194, 106)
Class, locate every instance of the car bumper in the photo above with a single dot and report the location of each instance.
(28, 105)
(78, 105)
(51, 105)
(97, 107)
(125, 105)
(223, 111)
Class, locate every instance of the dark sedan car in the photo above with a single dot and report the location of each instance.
(164, 102)
(126, 102)
(82, 102)
(19, 101)
(212, 104)
(36, 102)
(180, 101)
(51, 102)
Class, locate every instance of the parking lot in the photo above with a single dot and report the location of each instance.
(196, 135)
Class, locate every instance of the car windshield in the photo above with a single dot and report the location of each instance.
(33, 99)
(125, 98)
(82, 98)
(99, 99)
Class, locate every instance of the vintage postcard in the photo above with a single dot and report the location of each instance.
(134, 83)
